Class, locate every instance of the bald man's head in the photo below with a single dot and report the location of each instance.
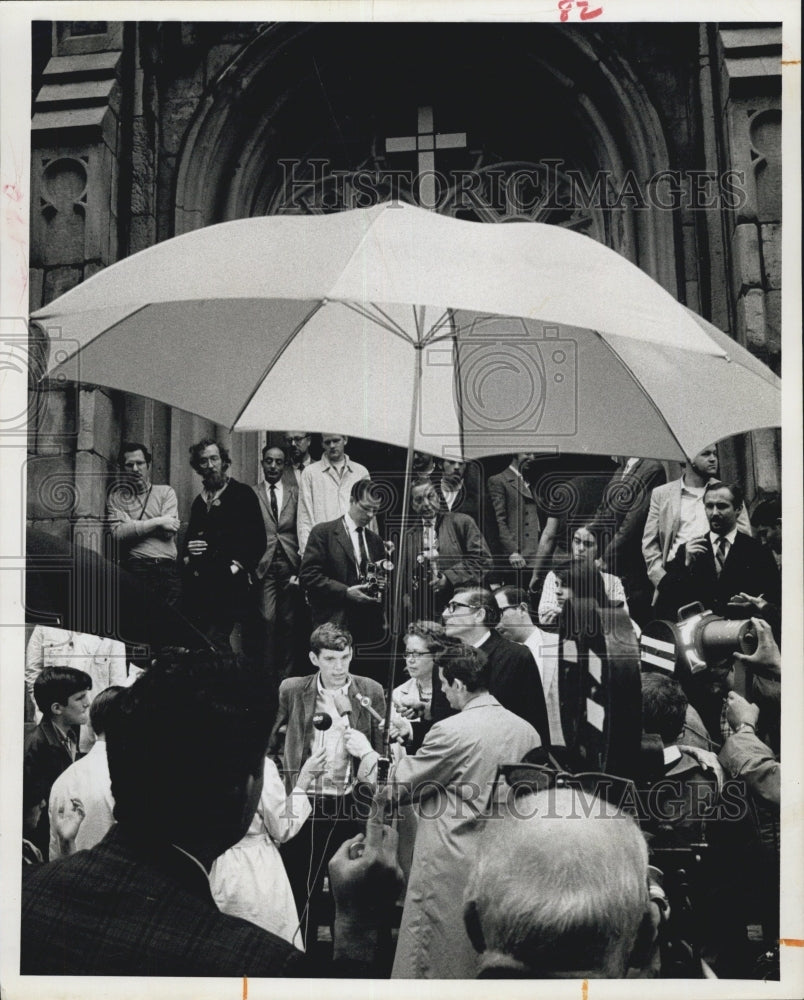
(559, 887)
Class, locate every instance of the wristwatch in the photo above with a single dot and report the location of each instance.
(746, 725)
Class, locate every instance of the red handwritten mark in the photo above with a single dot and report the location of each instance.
(585, 989)
(245, 987)
(565, 6)
(16, 229)
(792, 942)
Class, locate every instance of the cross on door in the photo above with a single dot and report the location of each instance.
(426, 142)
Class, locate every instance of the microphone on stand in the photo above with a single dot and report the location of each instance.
(365, 701)
(343, 707)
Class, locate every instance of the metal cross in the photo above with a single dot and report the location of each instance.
(426, 142)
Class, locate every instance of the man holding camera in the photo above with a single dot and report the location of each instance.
(336, 564)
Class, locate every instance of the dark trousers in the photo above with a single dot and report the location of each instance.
(277, 604)
(158, 576)
(334, 819)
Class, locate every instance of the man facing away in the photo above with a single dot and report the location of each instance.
(139, 902)
(451, 779)
(324, 487)
(144, 518)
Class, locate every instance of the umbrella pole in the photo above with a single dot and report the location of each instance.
(396, 607)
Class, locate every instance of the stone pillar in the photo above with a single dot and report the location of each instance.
(75, 167)
(749, 70)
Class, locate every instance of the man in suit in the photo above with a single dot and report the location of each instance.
(321, 710)
(334, 568)
(225, 541)
(459, 488)
(715, 567)
(517, 517)
(676, 514)
(516, 624)
(297, 449)
(619, 522)
(139, 902)
(276, 573)
(442, 552)
(472, 616)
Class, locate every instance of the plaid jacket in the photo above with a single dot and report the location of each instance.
(131, 908)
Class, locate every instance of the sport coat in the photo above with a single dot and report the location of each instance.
(662, 524)
(328, 569)
(129, 908)
(297, 698)
(281, 532)
(749, 568)
(516, 513)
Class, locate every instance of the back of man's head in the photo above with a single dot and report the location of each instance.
(184, 741)
(102, 709)
(664, 706)
(58, 684)
(459, 661)
(559, 888)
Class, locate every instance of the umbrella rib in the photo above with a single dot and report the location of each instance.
(388, 325)
(642, 389)
(443, 320)
(290, 337)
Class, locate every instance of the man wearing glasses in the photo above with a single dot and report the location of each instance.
(297, 447)
(334, 569)
(472, 615)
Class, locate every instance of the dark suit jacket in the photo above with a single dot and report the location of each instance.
(749, 567)
(517, 515)
(620, 518)
(45, 759)
(328, 569)
(282, 532)
(297, 698)
(514, 680)
(127, 908)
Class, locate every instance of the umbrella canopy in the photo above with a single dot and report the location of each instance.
(404, 326)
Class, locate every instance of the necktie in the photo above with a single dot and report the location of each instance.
(721, 551)
(272, 501)
(364, 556)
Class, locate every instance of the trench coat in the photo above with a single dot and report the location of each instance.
(451, 780)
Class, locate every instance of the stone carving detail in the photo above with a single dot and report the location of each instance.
(765, 133)
(63, 205)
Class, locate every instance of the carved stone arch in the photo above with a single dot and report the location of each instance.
(247, 122)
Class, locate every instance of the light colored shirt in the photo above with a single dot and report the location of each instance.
(324, 494)
(544, 647)
(103, 659)
(128, 514)
(351, 527)
(88, 780)
(448, 494)
(336, 779)
(692, 521)
(550, 606)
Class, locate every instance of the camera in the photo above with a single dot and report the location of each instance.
(375, 581)
(699, 640)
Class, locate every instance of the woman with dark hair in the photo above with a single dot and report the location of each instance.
(580, 577)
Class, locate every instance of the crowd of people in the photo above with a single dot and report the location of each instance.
(239, 808)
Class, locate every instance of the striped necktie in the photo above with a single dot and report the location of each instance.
(721, 551)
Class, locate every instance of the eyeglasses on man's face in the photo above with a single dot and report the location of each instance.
(453, 606)
(296, 440)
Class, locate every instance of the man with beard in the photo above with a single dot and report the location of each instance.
(225, 542)
(143, 519)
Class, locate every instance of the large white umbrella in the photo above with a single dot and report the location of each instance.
(407, 327)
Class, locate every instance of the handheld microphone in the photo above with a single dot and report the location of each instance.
(365, 701)
(343, 706)
(322, 721)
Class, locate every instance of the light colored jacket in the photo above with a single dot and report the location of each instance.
(661, 527)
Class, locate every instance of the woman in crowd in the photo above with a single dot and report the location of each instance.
(412, 699)
(584, 556)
